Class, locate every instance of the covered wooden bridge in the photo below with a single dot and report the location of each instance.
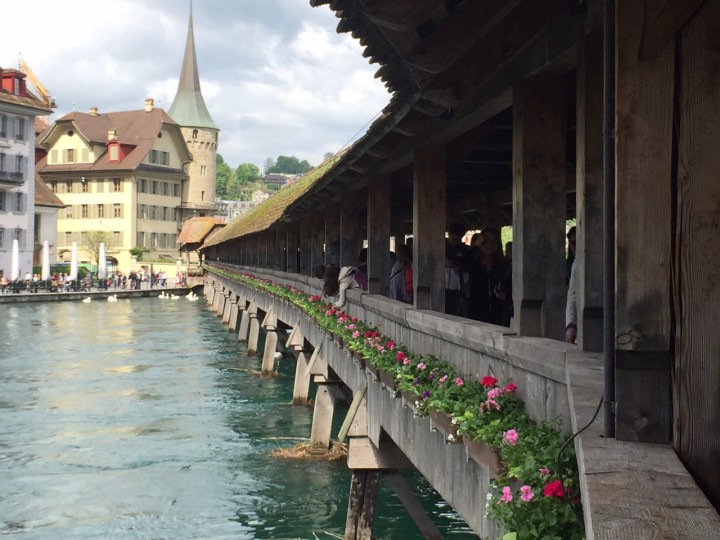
(527, 113)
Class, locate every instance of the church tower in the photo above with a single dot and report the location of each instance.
(201, 135)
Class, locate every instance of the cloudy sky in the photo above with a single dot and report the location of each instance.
(276, 77)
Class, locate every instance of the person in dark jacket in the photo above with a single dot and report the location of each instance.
(489, 284)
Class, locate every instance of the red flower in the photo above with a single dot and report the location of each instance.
(553, 489)
(510, 387)
(390, 345)
(368, 333)
(401, 356)
(488, 381)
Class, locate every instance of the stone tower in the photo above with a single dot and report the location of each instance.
(201, 135)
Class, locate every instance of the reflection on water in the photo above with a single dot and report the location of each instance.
(132, 420)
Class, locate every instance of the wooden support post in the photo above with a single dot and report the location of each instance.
(227, 306)
(539, 201)
(296, 342)
(589, 194)
(412, 505)
(244, 321)
(351, 228)
(292, 245)
(332, 234)
(429, 211)
(644, 323)
(269, 323)
(317, 253)
(232, 323)
(322, 420)
(378, 233)
(361, 505)
(254, 329)
(305, 244)
(219, 300)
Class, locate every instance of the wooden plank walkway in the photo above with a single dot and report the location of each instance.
(631, 490)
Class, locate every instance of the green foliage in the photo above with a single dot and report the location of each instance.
(288, 165)
(137, 252)
(223, 177)
(247, 173)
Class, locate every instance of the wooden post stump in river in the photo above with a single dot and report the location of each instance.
(227, 306)
(254, 329)
(361, 507)
(322, 417)
(296, 342)
(244, 320)
(271, 340)
(232, 323)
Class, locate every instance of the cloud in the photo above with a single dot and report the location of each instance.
(275, 75)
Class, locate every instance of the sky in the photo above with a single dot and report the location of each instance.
(276, 77)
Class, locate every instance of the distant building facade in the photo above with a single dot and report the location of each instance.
(18, 109)
(122, 176)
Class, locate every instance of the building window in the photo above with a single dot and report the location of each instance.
(68, 238)
(68, 186)
(20, 132)
(141, 239)
(154, 187)
(202, 195)
(176, 190)
(153, 240)
(117, 238)
(53, 186)
(3, 201)
(166, 188)
(100, 211)
(2, 238)
(68, 212)
(84, 211)
(117, 210)
(69, 155)
(85, 186)
(117, 185)
(142, 212)
(203, 170)
(159, 157)
(3, 126)
(142, 186)
(18, 205)
(19, 164)
(152, 212)
(114, 153)
(195, 134)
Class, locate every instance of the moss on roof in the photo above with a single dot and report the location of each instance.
(272, 210)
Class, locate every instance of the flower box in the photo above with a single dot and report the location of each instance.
(388, 379)
(359, 359)
(410, 398)
(372, 370)
(482, 454)
(443, 422)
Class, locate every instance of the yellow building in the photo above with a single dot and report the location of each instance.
(122, 176)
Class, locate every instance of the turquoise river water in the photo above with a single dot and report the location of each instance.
(144, 419)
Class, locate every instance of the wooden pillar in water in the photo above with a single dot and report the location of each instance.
(219, 299)
(539, 204)
(296, 342)
(229, 297)
(244, 320)
(322, 417)
(232, 323)
(378, 234)
(271, 341)
(254, 329)
(361, 506)
(588, 262)
(429, 215)
(644, 322)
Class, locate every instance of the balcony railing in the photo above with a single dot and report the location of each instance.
(13, 178)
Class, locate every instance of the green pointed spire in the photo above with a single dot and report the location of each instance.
(188, 108)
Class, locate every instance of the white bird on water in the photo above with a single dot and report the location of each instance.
(87, 300)
(163, 296)
(112, 298)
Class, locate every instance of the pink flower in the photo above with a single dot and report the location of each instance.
(443, 378)
(354, 319)
(401, 356)
(355, 334)
(527, 494)
(390, 345)
(350, 327)
(421, 366)
(488, 381)
(507, 495)
(329, 312)
(510, 387)
(543, 471)
(459, 381)
(406, 361)
(489, 404)
(495, 393)
(511, 437)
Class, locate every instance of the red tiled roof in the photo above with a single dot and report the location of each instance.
(196, 229)
(44, 196)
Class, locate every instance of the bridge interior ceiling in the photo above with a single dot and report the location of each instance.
(444, 61)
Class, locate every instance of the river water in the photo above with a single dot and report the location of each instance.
(144, 419)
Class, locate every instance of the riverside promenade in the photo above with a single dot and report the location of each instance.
(26, 297)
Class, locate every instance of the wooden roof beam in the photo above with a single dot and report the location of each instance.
(458, 33)
(399, 16)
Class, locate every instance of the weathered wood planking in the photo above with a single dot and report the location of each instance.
(378, 233)
(644, 91)
(697, 369)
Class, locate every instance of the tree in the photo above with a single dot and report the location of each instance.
(269, 164)
(92, 242)
(289, 165)
(327, 155)
(247, 173)
(223, 176)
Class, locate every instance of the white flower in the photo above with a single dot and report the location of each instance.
(454, 421)
(451, 438)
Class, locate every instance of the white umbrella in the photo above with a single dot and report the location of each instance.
(15, 265)
(102, 262)
(45, 261)
(74, 262)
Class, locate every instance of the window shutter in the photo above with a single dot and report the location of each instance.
(53, 156)
(85, 155)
